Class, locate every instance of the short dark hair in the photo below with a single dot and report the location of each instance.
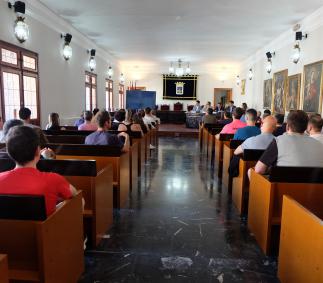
(297, 121)
(228, 114)
(280, 118)
(267, 111)
(198, 101)
(252, 114)
(22, 143)
(237, 113)
(120, 116)
(231, 101)
(210, 111)
(316, 121)
(95, 110)
(88, 115)
(102, 117)
(9, 124)
(244, 106)
(24, 113)
(147, 110)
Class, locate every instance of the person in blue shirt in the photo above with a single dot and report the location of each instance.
(250, 130)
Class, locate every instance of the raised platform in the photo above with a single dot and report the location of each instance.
(176, 130)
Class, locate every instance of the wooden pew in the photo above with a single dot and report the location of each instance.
(219, 151)
(228, 150)
(303, 184)
(301, 244)
(240, 184)
(96, 186)
(72, 139)
(103, 155)
(48, 251)
(4, 272)
(67, 133)
(212, 132)
(201, 126)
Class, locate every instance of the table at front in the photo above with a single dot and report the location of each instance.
(193, 120)
(173, 117)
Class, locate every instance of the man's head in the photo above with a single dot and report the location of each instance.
(231, 102)
(148, 110)
(268, 125)
(315, 124)
(88, 116)
(23, 145)
(297, 122)
(24, 114)
(237, 113)
(197, 102)
(10, 124)
(95, 110)
(120, 116)
(103, 120)
(258, 114)
(244, 106)
(280, 119)
(251, 116)
(227, 115)
(209, 111)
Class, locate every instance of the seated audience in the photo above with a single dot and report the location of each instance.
(138, 125)
(53, 123)
(219, 107)
(244, 107)
(103, 137)
(209, 117)
(148, 118)
(88, 125)
(95, 111)
(261, 141)
(314, 128)
(25, 117)
(118, 123)
(280, 127)
(250, 130)
(23, 147)
(267, 113)
(227, 118)
(153, 114)
(236, 124)
(259, 120)
(293, 148)
(197, 107)
(79, 121)
(128, 119)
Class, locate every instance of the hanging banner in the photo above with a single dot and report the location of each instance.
(179, 88)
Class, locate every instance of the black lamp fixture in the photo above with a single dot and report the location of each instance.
(67, 49)
(296, 53)
(21, 28)
(238, 80)
(110, 72)
(250, 74)
(92, 62)
(269, 64)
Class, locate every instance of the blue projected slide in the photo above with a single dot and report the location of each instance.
(138, 99)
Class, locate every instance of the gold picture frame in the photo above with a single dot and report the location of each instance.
(243, 87)
(293, 92)
(279, 92)
(268, 94)
(313, 87)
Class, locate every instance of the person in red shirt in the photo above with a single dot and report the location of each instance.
(235, 124)
(23, 147)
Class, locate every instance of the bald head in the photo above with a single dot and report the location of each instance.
(269, 125)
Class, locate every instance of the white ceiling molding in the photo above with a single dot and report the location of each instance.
(42, 14)
(308, 24)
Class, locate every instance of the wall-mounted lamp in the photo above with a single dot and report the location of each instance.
(110, 72)
(67, 49)
(296, 52)
(122, 78)
(238, 81)
(92, 62)
(269, 64)
(188, 69)
(250, 74)
(21, 28)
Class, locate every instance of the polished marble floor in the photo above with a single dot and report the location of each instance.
(180, 226)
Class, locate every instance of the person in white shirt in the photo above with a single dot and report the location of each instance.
(314, 127)
(148, 118)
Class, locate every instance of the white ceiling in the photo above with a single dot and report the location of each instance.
(157, 31)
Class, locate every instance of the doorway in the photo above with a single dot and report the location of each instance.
(223, 95)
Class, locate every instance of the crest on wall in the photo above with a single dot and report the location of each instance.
(179, 88)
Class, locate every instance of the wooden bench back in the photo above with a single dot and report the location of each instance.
(226, 137)
(252, 154)
(296, 175)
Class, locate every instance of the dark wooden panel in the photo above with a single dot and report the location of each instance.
(296, 175)
(252, 154)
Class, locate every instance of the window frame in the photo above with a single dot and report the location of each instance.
(91, 86)
(21, 71)
(121, 96)
(109, 94)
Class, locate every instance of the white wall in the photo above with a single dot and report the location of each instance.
(62, 84)
(311, 51)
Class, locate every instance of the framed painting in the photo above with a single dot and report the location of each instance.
(243, 87)
(293, 93)
(279, 92)
(268, 93)
(312, 95)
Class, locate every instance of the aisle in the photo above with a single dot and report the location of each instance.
(180, 227)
